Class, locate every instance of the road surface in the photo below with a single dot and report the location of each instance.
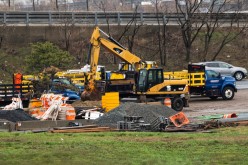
(204, 106)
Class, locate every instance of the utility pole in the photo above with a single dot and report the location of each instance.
(87, 5)
(33, 6)
(9, 4)
(57, 7)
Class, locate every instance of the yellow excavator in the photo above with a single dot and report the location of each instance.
(143, 81)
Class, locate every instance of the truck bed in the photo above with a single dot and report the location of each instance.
(8, 91)
(194, 79)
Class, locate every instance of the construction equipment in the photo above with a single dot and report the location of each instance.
(77, 76)
(143, 80)
(118, 50)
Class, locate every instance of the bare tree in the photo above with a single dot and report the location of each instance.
(215, 23)
(66, 29)
(134, 31)
(190, 26)
(162, 35)
(103, 7)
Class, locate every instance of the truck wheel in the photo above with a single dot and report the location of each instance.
(238, 76)
(213, 97)
(228, 93)
(177, 104)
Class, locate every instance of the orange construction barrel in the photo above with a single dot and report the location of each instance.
(167, 102)
(70, 114)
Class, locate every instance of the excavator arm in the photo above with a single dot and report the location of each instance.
(112, 46)
(96, 41)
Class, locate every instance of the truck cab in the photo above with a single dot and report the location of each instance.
(66, 88)
(219, 86)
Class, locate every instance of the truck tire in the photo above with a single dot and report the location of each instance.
(228, 93)
(177, 104)
(238, 76)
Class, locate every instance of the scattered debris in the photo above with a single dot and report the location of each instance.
(160, 123)
(16, 104)
(89, 113)
(133, 123)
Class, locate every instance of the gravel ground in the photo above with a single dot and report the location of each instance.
(15, 115)
(199, 106)
(148, 112)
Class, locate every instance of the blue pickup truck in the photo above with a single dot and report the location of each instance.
(213, 85)
(67, 89)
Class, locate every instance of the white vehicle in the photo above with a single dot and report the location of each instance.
(226, 69)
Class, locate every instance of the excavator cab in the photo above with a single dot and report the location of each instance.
(148, 78)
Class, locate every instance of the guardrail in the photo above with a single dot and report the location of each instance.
(101, 18)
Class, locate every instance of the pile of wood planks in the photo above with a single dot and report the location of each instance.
(81, 129)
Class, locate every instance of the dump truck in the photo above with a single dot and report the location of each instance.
(143, 80)
(205, 82)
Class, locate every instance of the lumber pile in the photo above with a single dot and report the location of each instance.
(81, 129)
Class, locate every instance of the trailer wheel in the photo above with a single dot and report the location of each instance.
(177, 104)
(228, 93)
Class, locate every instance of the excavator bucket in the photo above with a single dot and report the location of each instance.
(94, 95)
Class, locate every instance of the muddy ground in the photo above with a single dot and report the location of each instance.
(205, 106)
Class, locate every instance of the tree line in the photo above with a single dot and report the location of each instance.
(208, 29)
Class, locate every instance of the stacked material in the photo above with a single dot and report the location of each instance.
(15, 115)
(58, 109)
(147, 111)
(81, 129)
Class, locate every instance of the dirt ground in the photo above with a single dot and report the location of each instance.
(199, 106)
(204, 106)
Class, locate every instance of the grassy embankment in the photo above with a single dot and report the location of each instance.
(224, 146)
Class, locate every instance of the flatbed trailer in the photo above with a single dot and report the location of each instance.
(8, 91)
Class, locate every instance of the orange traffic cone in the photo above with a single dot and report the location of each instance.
(167, 102)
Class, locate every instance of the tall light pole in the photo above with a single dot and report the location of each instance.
(87, 5)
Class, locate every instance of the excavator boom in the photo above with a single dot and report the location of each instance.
(96, 41)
